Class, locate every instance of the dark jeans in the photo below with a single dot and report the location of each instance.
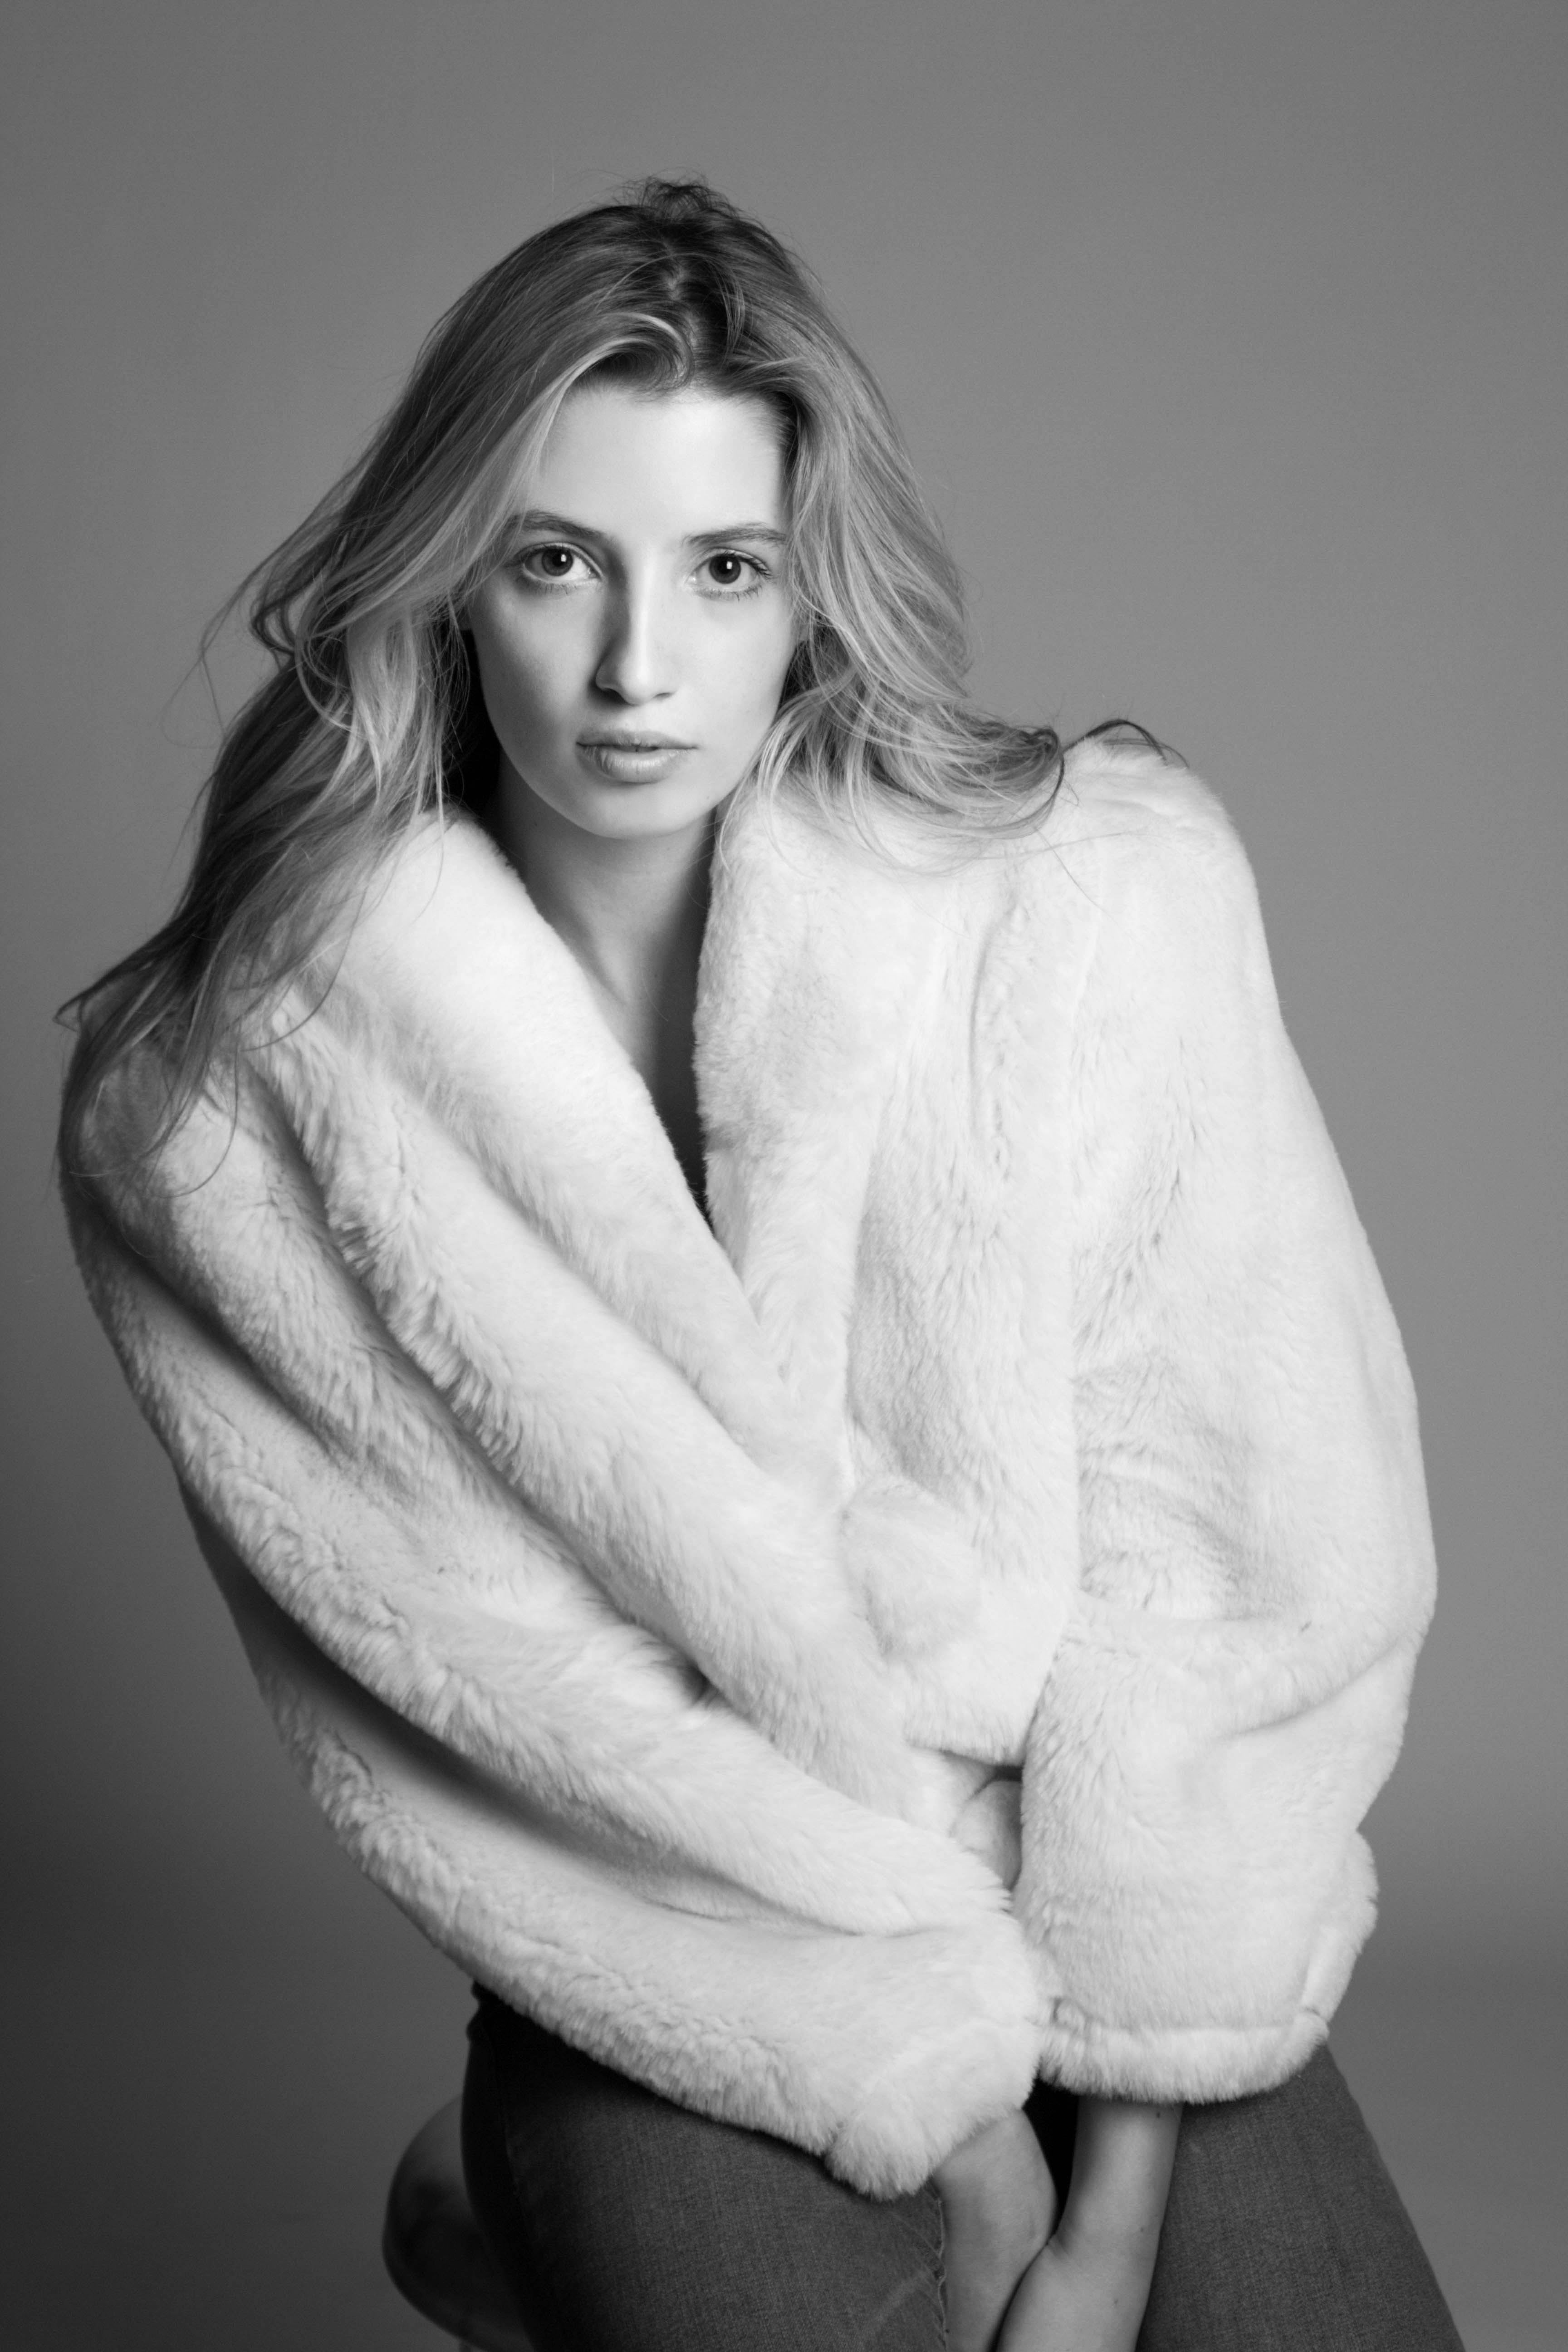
(625, 2224)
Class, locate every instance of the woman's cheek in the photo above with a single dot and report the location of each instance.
(523, 690)
(763, 671)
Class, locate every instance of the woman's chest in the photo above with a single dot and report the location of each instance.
(656, 1034)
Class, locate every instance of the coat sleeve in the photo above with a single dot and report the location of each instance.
(1256, 1563)
(550, 1792)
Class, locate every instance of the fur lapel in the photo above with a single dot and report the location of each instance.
(819, 965)
(883, 1056)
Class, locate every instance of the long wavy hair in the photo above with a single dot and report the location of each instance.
(370, 718)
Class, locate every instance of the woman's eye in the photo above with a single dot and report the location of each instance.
(732, 572)
(548, 562)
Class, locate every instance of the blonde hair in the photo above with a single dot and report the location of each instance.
(369, 721)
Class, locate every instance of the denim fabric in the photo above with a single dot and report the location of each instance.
(625, 2224)
(1285, 2234)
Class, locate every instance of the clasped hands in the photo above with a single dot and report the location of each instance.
(1020, 2278)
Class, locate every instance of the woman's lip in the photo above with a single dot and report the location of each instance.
(649, 742)
(632, 760)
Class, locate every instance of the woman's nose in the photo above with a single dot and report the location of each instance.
(637, 663)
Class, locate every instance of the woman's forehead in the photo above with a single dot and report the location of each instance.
(683, 463)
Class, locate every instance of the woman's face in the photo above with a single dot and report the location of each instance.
(633, 642)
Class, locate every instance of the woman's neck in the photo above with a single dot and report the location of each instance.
(632, 913)
(628, 909)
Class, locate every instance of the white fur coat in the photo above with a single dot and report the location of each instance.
(672, 1619)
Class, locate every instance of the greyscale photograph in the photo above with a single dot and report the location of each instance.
(784, 1182)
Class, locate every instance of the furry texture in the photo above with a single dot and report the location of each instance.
(946, 1620)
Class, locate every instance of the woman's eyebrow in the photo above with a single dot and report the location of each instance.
(766, 531)
(543, 519)
(540, 519)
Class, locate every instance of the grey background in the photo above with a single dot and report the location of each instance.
(1231, 339)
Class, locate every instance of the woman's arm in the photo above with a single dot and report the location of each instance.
(1081, 2286)
(1086, 2290)
(998, 2204)
(1256, 1569)
(550, 1793)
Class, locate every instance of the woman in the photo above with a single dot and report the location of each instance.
(759, 1328)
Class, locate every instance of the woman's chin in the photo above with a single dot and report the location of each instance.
(627, 809)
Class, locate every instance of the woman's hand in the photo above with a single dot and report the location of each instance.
(1087, 2289)
(998, 2205)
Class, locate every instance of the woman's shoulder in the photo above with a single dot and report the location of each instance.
(1148, 842)
(442, 875)
(442, 932)
(434, 922)
(1145, 868)
(1145, 811)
